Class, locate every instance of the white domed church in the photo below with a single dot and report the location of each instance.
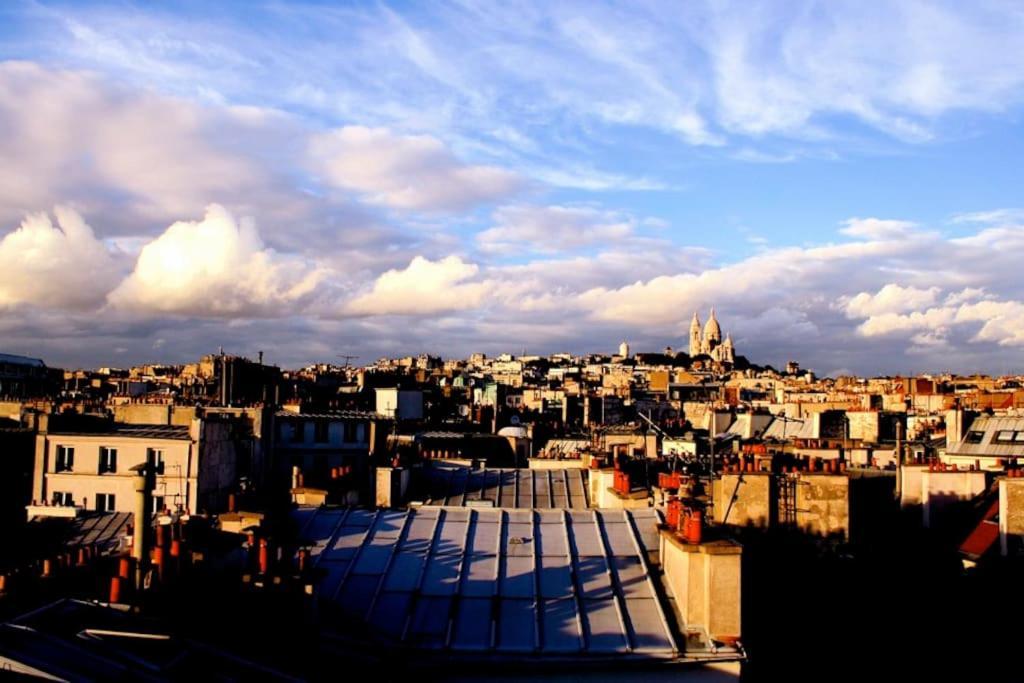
(709, 342)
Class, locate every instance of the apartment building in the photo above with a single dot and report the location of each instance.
(197, 465)
(317, 442)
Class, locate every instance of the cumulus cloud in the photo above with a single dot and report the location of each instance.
(991, 320)
(140, 156)
(552, 228)
(890, 299)
(61, 265)
(792, 277)
(414, 172)
(423, 287)
(215, 267)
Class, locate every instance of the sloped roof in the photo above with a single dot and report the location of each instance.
(135, 431)
(495, 583)
(507, 488)
(989, 444)
(984, 536)
(783, 429)
(21, 360)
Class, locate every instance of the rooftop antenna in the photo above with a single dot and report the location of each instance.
(347, 358)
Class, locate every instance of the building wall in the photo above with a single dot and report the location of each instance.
(678, 446)
(704, 579)
(872, 503)
(178, 484)
(317, 459)
(864, 425)
(10, 410)
(823, 504)
(940, 491)
(401, 404)
(1011, 515)
(218, 464)
(143, 413)
(17, 452)
(744, 499)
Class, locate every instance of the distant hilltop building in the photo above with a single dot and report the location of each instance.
(709, 342)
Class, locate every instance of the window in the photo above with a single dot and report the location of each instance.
(65, 458)
(62, 498)
(108, 460)
(298, 432)
(321, 429)
(158, 504)
(155, 457)
(1003, 436)
(1020, 437)
(104, 502)
(974, 437)
(351, 434)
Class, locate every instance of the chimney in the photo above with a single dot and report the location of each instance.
(899, 459)
(144, 482)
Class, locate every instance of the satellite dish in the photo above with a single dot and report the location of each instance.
(514, 419)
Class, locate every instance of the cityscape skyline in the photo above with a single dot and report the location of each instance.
(510, 340)
(307, 180)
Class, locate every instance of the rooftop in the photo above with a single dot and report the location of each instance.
(81, 641)
(496, 583)
(333, 415)
(507, 488)
(999, 437)
(134, 431)
(21, 360)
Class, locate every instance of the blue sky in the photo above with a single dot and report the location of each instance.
(840, 179)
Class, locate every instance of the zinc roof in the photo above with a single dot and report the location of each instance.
(507, 488)
(497, 583)
(990, 445)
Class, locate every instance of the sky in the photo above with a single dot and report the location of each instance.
(840, 180)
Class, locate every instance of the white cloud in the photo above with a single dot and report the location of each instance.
(414, 172)
(704, 72)
(790, 276)
(997, 321)
(989, 217)
(889, 299)
(215, 267)
(56, 266)
(901, 323)
(140, 156)
(877, 229)
(966, 295)
(787, 69)
(552, 228)
(424, 287)
(1002, 321)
